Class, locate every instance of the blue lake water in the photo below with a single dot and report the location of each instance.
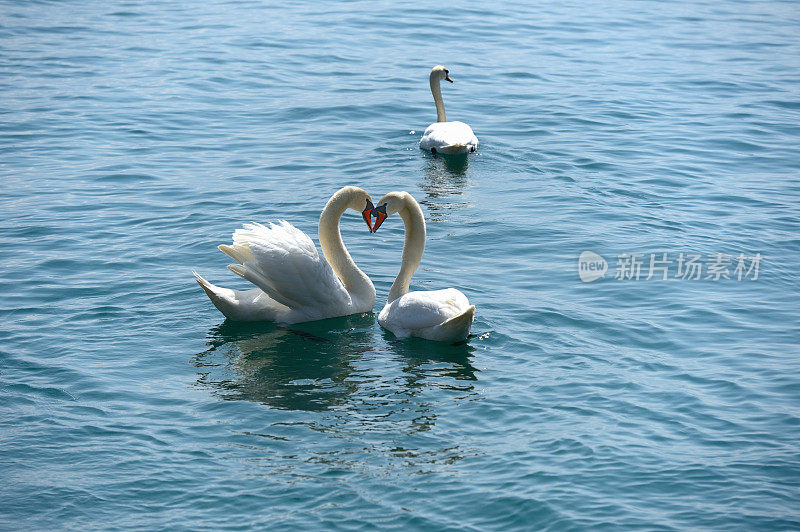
(135, 137)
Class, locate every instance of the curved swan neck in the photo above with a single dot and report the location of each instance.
(330, 239)
(413, 247)
(436, 90)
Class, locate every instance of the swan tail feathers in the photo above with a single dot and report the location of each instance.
(250, 305)
(222, 298)
(455, 329)
(453, 149)
(461, 322)
(210, 289)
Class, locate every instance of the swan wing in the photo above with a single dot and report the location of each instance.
(283, 262)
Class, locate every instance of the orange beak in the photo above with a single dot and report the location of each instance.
(367, 214)
(380, 216)
(448, 78)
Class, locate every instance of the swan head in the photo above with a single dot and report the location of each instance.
(357, 199)
(440, 73)
(387, 206)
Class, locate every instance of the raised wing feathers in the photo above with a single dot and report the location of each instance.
(284, 262)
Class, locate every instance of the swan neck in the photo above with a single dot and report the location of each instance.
(413, 247)
(330, 239)
(436, 90)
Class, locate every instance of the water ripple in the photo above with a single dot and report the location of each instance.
(134, 139)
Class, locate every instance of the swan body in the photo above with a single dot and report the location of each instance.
(449, 138)
(442, 136)
(293, 283)
(441, 315)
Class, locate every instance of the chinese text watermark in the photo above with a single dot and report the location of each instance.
(662, 266)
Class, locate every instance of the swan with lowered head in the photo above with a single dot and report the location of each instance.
(293, 283)
(443, 136)
(442, 315)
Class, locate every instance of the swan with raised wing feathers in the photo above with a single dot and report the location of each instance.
(293, 283)
(442, 315)
(443, 136)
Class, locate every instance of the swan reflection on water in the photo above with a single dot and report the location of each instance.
(445, 180)
(344, 364)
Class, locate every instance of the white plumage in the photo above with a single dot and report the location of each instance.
(441, 315)
(294, 284)
(449, 138)
(443, 136)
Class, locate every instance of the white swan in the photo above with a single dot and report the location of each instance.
(443, 136)
(442, 315)
(294, 283)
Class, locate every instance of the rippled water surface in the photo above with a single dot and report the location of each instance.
(135, 137)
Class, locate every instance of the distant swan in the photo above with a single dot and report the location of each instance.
(294, 283)
(443, 136)
(442, 315)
